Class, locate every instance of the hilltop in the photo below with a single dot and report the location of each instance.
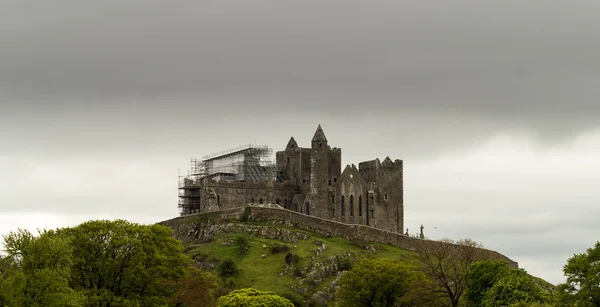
(293, 254)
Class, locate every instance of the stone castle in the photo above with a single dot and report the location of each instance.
(305, 180)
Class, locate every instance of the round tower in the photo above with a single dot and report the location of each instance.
(319, 174)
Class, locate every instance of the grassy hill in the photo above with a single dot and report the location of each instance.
(301, 264)
(295, 255)
(295, 263)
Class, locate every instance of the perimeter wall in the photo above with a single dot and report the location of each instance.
(187, 228)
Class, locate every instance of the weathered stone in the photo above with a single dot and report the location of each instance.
(311, 181)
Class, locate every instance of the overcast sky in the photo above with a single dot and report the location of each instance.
(492, 106)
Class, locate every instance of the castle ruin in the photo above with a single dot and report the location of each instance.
(305, 180)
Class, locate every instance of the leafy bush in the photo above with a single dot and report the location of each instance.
(345, 264)
(245, 217)
(227, 268)
(278, 248)
(291, 258)
(253, 297)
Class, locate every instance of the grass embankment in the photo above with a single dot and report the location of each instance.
(258, 267)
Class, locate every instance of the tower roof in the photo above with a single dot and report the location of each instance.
(319, 135)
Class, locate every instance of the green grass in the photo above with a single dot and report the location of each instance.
(263, 272)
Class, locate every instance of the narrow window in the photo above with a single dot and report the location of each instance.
(367, 211)
(277, 201)
(385, 196)
(351, 205)
(360, 205)
(343, 206)
(260, 201)
(307, 208)
(252, 199)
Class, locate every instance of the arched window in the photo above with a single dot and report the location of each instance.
(307, 208)
(351, 205)
(285, 203)
(360, 205)
(260, 201)
(343, 206)
(277, 201)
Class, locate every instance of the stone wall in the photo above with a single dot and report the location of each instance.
(357, 233)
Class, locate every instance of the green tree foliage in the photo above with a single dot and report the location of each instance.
(118, 263)
(376, 283)
(481, 276)
(583, 279)
(513, 287)
(534, 304)
(249, 297)
(37, 270)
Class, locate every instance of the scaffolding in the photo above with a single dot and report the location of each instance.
(250, 162)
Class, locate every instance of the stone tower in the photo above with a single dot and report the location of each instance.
(319, 174)
(389, 213)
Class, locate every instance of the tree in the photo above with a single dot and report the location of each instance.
(514, 287)
(250, 297)
(445, 262)
(375, 283)
(37, 270)
(197, 289)
(481, 276)
(583, 279)
(119, 263)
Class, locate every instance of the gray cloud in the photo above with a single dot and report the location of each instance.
(101, 102)
(531, 63)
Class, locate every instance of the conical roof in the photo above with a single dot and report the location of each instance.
(319, 135)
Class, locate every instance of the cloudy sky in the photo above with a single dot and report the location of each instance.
(491, 105)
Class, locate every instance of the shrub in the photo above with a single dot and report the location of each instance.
(278, 248)
(245, 217)
(345, 264)
(227, 268)
(291, 258)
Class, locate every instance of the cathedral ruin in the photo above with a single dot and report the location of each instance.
(306, 180)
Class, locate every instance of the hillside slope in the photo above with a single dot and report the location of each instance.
(295, 263)
(293, 254)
